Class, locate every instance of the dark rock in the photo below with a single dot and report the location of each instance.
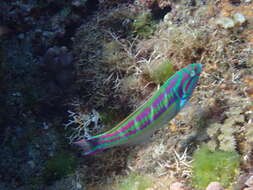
(235, 2)
(159, 12)
(240, 184)
(58, 65)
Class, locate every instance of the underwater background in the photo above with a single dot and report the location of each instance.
(76, 68)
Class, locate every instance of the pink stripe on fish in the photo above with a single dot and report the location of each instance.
(143, 126)
(141, 115)
(144, 114)
(128, 125)
(158, 100)
(172, 84)
(127, 134)
(188, 84)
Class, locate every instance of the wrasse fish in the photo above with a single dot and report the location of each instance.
(157, 111)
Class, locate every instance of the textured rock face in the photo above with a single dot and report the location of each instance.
(59, 66)
(249, 181)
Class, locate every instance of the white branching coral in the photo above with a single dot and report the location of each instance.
(183, 164)
(80, 124)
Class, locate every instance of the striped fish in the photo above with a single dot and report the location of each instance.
(153, 114)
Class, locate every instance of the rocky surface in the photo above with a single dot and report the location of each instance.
(214, 186)
(177, 186)
(72, 68)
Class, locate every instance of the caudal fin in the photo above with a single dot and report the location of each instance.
(90, 146)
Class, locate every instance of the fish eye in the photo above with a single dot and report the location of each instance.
(192, 73)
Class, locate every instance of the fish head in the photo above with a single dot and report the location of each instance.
(190, 77)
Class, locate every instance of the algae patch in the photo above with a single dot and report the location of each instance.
(144, 25)
(209, 166)
(135, 182)
(62, 164)
(161, 72)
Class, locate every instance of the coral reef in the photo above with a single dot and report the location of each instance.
(101, 59)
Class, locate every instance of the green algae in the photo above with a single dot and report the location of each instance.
(209, 166)
(159, 73)
(135, 182)
(62, 164)
(144, 25)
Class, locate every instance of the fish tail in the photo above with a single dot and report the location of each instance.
(89, 146)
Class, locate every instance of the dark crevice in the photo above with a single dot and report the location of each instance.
(157, 12)
(73, 24)
(92, 5)
(235, 2)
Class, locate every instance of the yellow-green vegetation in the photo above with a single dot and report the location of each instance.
(112, 54)
(130, 83)
(160, 72)
(179, 44)
(144, 25)
(115, 57)
(118, 21)
(62, 164)
(209, 166)
(134, 181)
